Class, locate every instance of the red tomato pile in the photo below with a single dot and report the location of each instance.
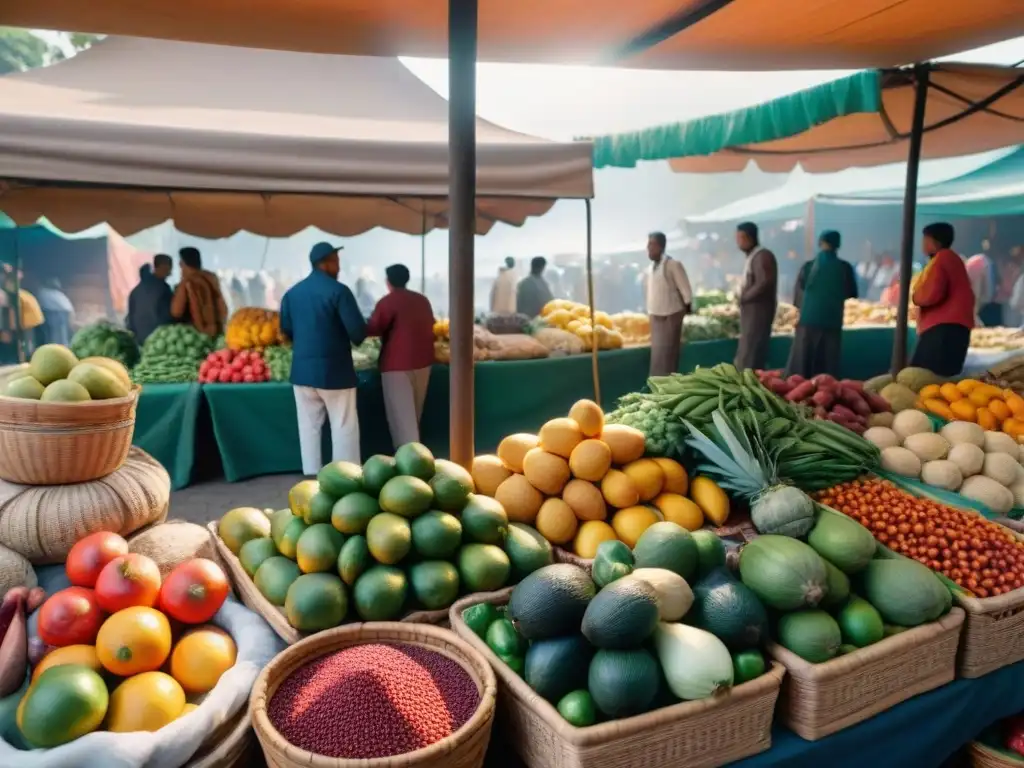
(107, 578)
(979, 555)
(228, 366)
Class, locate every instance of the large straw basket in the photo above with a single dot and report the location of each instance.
(695, 734)
(64, 443)
(820, 699)
(984, 756)
(230, 746)
(466, 748)
(274, 616)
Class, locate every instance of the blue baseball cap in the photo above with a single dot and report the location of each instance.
(321, 251)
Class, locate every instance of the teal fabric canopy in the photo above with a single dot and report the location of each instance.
(778, 119)
(989, 184)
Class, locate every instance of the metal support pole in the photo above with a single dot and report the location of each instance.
(462, 46)
(590, 300)
(899, 347)
(423, 249)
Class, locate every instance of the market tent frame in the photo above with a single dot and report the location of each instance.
(871, 118)
(648, 33)
(272, 142)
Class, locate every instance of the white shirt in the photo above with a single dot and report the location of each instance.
(503, 293)
(668, 288)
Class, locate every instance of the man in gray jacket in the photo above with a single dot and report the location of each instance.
(758, 299)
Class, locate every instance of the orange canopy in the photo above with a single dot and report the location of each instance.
(668, 34)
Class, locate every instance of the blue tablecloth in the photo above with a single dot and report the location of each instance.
(920, 733)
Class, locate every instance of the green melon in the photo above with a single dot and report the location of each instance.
(784, 573)
(352, 513)
(837, 589)
(415, 460)
(623, 683)
(861, 625)
(436, 535)
(354, 559)
(710, 551)
(557, 666)
(254, 552)
(451, 484)
(622, 615)
(273, 578)
(669, 546)
(50, 363)
(811, 634)
(340, 478)
(905, 592)
(729, 610)
(377, 470)
(435, 584)
(380, 593)
(845, 543)
(65, 391)
(316, 601)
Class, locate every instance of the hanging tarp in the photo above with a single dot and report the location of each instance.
(984, 176)
(220, 139)
(666, 34)
(971, 108)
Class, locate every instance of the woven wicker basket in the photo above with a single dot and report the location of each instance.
(230, 746)
(466, 748)
(273, 615)
(984, 756)
(695, 734)
(820, 699)
(64, 443)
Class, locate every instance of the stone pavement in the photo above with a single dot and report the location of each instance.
(208, 501)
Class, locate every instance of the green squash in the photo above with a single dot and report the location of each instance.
(842, 541)
(729, 610)
(783, 510)
(838, 587)
(784, 573)
(812, 635)
(905, 592)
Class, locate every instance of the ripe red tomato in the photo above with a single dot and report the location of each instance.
(70, 617)
(127, 581)
(89, 555)
(194, 591)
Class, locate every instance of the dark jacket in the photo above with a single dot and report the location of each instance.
(321, 317)
(822, 288)
(149, 305)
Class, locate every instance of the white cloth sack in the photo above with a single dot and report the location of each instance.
(173, 745)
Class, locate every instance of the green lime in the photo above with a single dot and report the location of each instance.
(479, 617)
(578, 709)
(747, 665)
(515, 663)
(504, 640)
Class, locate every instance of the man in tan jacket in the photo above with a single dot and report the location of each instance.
(669, 299)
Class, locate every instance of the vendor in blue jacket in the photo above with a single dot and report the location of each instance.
(321, 317)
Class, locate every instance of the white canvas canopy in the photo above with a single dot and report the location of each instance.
(135, 132)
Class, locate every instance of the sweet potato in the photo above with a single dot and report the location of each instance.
(856, 386)
(778, 386)
(878, 403)
(796, 378)
(855, 401)
(843, 412)
(801, 392)
(824, 398)
(824, 380)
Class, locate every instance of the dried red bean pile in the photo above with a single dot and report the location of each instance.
(374, 700)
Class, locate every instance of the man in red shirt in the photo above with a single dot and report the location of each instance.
(404, 320)
(946, 302)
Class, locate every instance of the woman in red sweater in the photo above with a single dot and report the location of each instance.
(946, 301)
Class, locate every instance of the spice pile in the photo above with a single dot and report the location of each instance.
(979, 555)
(387, 699)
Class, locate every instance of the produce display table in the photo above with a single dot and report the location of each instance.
(922, 732)
(255, 426)
(165, 427)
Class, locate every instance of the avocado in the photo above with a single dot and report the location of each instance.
(557, 666)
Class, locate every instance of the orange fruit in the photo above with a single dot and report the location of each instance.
(986, 419)
(84, 655)
(145, 702)
(932, 390)
(980, 397)
(676, 479)
(964, 410)
(1013, 427)
(948, 391)
(135, 640)
(966, 386)
(939, 407)
(201, 657)
(1015, 402)
(999, 409)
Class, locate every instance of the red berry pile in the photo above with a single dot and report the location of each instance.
(227, 366)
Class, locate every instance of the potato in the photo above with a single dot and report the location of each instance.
(900, 461)
(1000, 442)
(942, 473)
(927, 446)
(996, 497)
(883, 437)
(1001, 467)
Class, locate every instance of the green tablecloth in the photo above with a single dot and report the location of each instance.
(255, 429)
(165, 427)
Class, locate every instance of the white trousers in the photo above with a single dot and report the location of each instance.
(404, 395)
(339, 406)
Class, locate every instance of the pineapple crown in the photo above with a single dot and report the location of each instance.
(738, 460)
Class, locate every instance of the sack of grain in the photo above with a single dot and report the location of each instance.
(42, 523)
(518, 346)
(559, 342)
(15, 571)
(172, 543)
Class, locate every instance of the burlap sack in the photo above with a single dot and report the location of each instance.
(172, 543)
(16, 571)
(42, 523)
